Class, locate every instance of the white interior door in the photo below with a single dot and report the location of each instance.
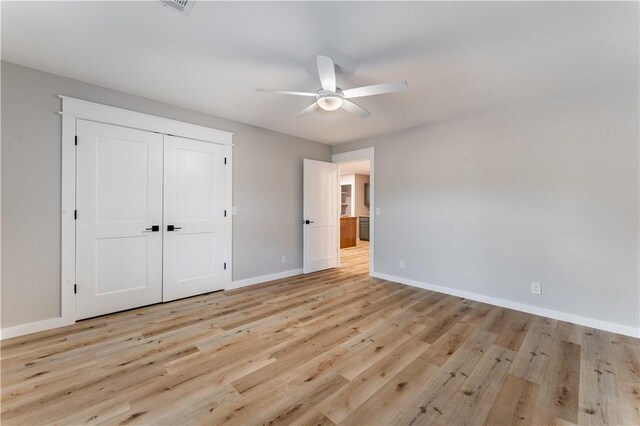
(195, 237)
(320, 216)
(119, 200)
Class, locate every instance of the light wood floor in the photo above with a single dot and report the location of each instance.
(335, 347)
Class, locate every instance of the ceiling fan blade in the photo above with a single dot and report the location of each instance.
(308, 110)
(376, 89)
(327, 72)
(286, 92)
(355, 109)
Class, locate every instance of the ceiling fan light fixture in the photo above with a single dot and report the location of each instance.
(330, 101)
(330, 97)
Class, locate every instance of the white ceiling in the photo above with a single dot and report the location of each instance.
(355, 168)
(458, 57)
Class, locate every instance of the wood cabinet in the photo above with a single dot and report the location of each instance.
(348, 231)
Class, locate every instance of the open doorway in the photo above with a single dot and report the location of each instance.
(356, 189)
(354, 229)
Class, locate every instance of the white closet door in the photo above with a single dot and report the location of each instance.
(194, 218)
(119, 200)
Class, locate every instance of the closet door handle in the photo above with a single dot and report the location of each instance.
(153, 228)
(173, 228)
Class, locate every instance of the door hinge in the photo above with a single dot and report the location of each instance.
(225, 266)
(225, 213)
(225, 160)
(75, 288)
(76, 140)
(75, 215)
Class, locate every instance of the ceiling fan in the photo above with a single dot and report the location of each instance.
(330, 97)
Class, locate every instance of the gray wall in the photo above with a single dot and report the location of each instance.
(545, 192)
(267, 186)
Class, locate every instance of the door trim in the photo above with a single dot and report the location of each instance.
(92, 111)
(360, 155)
(74, 109)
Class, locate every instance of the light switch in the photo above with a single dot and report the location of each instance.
(378, 211)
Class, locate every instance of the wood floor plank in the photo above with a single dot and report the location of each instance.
(559, 392)
(339, 405)
(604, 397)
(312, 418)
(431, 402)
(477, 393)
(296, 354)
(447, 345)
(394, 395)
(332, 347)
(445, 319)
(513, 330)
(514, 404)
(532, 358)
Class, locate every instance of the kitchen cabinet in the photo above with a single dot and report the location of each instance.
(348, 231)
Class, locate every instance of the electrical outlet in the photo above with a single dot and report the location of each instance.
(536, 288)
(402, 264)
(283, 259)
(378, 211)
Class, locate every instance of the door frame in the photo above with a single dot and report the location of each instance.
(361, 155)
(74, 109)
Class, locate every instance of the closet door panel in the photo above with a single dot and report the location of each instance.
(194, 247)
(119, 196)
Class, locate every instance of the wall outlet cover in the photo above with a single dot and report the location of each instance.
(536, 288)
(283, 259)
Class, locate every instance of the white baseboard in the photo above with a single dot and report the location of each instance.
(549, 313)
(33, 327)
(264, 278)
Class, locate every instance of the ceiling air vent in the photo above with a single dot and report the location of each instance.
(182, 6)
